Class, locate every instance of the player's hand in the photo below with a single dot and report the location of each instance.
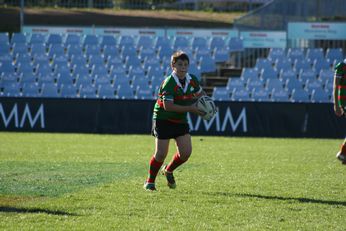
(194, 109)
(338, 111)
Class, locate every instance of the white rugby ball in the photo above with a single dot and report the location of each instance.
(207, 105)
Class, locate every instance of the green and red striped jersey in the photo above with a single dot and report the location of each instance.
(172, 90)
(340, 73)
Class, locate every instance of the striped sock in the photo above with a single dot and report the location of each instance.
(154, 167)
(175, 163)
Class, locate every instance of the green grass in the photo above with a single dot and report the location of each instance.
(94, 182)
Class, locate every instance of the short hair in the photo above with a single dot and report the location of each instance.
(179, 55)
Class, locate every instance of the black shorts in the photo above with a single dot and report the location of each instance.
(164, 129)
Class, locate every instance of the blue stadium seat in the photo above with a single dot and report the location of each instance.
(328, 85)
(38, 49)
(4, 38)
(202, 52)
(274, 84)
(54, 39)
(326, 75)
(19, 38)
(314, 53)
(27, 77)
(78, 60)
(164, 51)
(79, 70)
(263, 63)
(122, 80)
(144, 94)
(334, 54)
(30, 90)
(287, 74)
(96, 59)
(217, 42)
(92, 49)
(181, 41)
(240, 95)
(117, 70)
(307, 75)
(7, 67)
(20, 48)
(300, 96)
(127, 41)
(156, 82)
(43, 69)
(87, 91)
(320, 64)
(110, 51)
(68, 91)
(64, 79)
(106, 91)
(82, 80)
(116, 60)
(151, 62)
(295, 53)
(147, 52)
(21, 58)
(136, 70)
(145, 41)
(293, 83)
(6, 57)
(155, 71)
(62, 69)
(46, 79)
(125, 91)
(320, 96)
(199, 42)
(254, 83)
(221, 55)
(56, 49)
(276, 54)
(301, 64)
(268, 73)
(37, 39)
(108, 40)
(163, 42)
(11, 89)
(49, 90)
(207, 65)
(72, 39)
(235, 44)
(221, 94)
(283, 64)
(261, 95)
(249, 73)
(103, 79)
(7, 78)
(140, 81)
(237, 83)
(311, 85)
(132, 61)
(60, 60)
(74, 49)
(280, 96)
(25, 67)
(99, 70)
(90, 40)
(194, 70)
(4, 49)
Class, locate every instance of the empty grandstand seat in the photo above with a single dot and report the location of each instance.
(136, 70)
(145, 41)
(261, 95)
(155, 71)
(274, 84)
(249, 73)
(320, 64)
(122, 79)
(96, 59)
(7, 67)
(202, 52)
(64, 79)
(56, 49)
(4, 38)
(78, 60)
(25, 67)
(38, 49)
(300, 96)
(43, 69)
(87, 91)
(126, 41)
(18, 38)
(140, 81)
(334, 54)
(268, 73)
(144, 93)
(11, 89)
(207, 64)
(60, 60)
(68, 91)
(147, 52)
(80, 70)
(90, 40)
(293, 83)
(283, 64)
(4, 48)
(279, 96)
(49, 90)
(181, 41)
(199, 42)
(295, 53)
(287, 74)
(114, 60)
(20, 48)
(310, 85)
(254, 83)
(328, 85)
(314, 53)
(235, 44)
(30, 90)
(263, 63)
(83, 80)
(74, 49)
(72, 39)
(54, 39)
(9, 77)
(108, 40)
(320, 96)
(165, 52)
(240, 95)
(326, 75)
(221, 55)
(37, 39)
(92, 49)
(217, 42)
(276, 53)
(307, 75)
(106, 91)
(6, 58)
(46, 79)
(125, 91)
(132, 61)
(155, 82)
(27, 77)
(163, 42)
(221, 94)
(117, 70)
(301, 64)
(233, 83)
(103, 79)
(110, 51)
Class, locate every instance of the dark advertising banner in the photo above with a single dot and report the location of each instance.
(134, 117)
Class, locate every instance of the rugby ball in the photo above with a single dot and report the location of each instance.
(206, 105)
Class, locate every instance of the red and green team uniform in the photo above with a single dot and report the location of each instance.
(172, 90)
(340, 73)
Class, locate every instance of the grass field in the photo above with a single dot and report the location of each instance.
(94, 182)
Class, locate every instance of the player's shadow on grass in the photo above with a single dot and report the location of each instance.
(8, 209)
(299, 199)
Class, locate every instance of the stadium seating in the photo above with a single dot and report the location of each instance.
(144, 94)
(221, 94)
(262, 95)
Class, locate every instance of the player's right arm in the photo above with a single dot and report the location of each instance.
(337, 108)
(169, 105)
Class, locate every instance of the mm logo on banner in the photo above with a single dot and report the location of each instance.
(221, 124)
(20, 119)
